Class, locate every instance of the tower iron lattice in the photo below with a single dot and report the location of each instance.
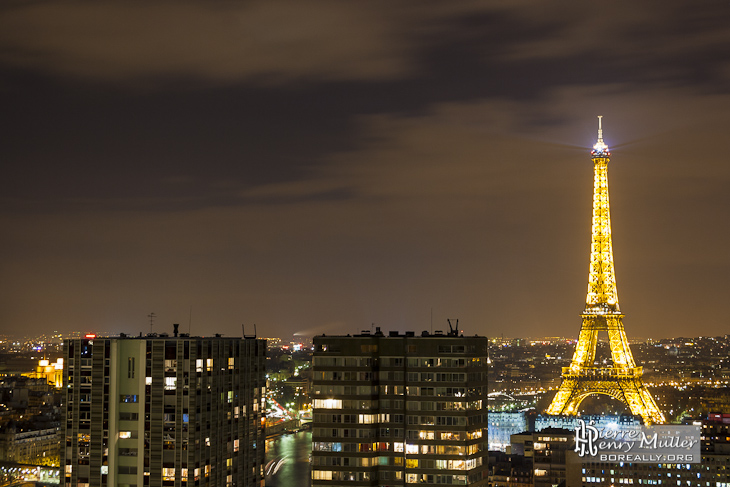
(621, 379)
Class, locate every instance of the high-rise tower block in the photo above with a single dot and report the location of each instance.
(163, 411)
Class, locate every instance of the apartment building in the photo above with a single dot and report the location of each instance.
(161, 410)
(397, 409)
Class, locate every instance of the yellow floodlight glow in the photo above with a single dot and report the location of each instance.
(621, 379)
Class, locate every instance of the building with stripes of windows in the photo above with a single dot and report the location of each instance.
(399, 409)
(161, 410)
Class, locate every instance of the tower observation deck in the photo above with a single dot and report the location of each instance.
(622, 379)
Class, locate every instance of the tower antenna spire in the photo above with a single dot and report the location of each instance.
(152, 317)
(600, 149)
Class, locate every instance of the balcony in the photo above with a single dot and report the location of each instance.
(599, 373)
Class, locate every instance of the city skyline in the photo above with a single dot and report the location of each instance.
(316, 167)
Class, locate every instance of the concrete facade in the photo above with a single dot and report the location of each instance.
(163, 411)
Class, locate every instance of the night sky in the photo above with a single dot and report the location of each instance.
(316, 166)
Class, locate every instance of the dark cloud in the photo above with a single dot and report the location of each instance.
(161, 42)
(270, 40)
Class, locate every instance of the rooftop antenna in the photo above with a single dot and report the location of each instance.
(152, 317)
(190, 319)
(453, 331)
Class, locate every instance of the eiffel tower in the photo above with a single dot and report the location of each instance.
(622, 378)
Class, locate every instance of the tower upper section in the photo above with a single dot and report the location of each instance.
(600, 149)
(602, 297)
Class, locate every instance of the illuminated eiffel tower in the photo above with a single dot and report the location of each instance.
(621, 379)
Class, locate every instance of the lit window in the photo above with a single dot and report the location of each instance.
(426, 435)
(322, 474)
(328, 404)
(125, 434)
